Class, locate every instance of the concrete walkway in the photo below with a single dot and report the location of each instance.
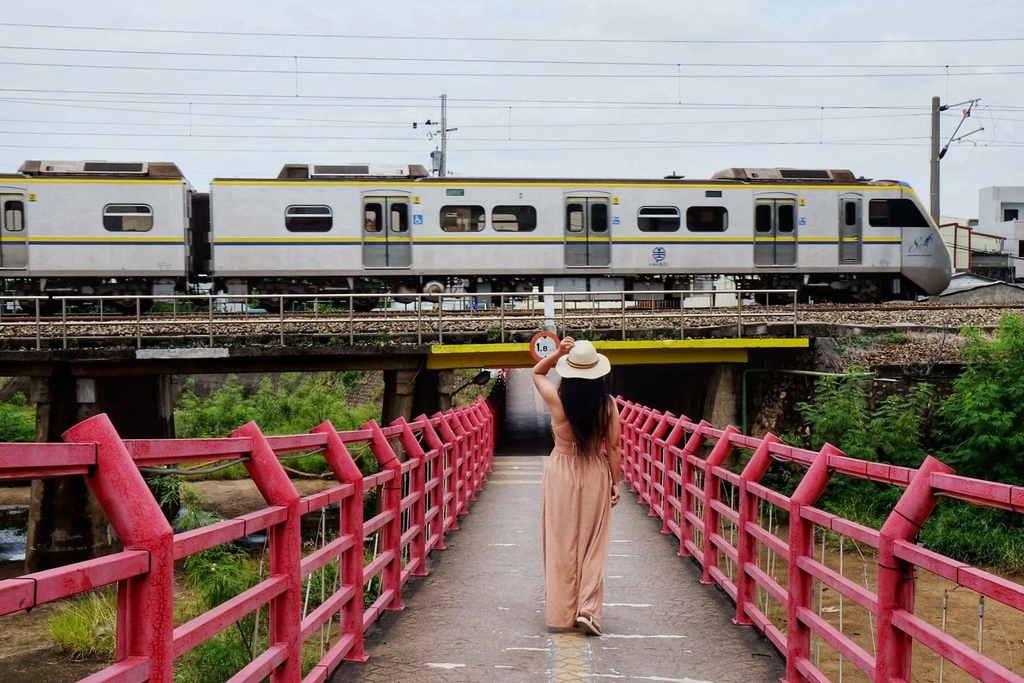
(479, 616)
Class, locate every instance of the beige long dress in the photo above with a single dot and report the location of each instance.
(576, 514)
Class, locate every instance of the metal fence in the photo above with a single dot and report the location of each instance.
(448, 458)
(213, 320)
(761, 547)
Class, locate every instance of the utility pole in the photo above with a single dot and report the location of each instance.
(937, 153)
(439, 157)
(935, 160)
(444, 136)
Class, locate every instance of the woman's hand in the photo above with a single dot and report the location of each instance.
(565, 346)
(615, 495)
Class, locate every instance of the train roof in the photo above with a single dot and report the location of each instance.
(116, 169)
(419, 174)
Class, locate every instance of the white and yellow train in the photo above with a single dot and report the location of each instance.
(120, 229)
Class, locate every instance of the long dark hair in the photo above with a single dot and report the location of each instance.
(586, 406)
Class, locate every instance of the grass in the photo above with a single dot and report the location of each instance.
(86, 628)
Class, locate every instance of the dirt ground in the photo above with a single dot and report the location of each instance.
(27, 656)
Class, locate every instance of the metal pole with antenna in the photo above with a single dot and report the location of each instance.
(444, 136)
(937, 153)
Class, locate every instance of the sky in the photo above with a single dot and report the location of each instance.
(534, 88)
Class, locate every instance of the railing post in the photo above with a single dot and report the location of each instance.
(462, 444)
(713, 493)
(146, 615)
(351, 523)
(644, 455)
(692, 447)
(668, 463)
(391, 532)
(657, 467)
(450, 473)
(435, 512)
(417, 485)
(896, 577)
(746, 588)
(285, 551)
(636, 450)
(801, 545)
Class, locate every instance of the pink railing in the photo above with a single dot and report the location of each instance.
(449, 456)
(675, 467)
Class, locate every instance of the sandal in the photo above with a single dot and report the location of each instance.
(589, 624)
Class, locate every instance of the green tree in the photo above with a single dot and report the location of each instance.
(981, 418)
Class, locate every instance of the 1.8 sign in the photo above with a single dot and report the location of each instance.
(543, 344)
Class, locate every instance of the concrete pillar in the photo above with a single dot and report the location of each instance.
(399, 387)
(66, 523)
(722, 407)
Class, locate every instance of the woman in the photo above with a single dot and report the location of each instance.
(580, 484)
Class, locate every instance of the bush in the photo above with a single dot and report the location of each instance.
(981, 418)
(17, 420)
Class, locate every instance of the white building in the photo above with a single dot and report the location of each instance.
(1001, 213)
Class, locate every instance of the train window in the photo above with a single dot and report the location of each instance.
(574, 217)
(787, 213)
(763, 218)
(373, 217)
(514, 218)
(400, 217)
(658, 219)
(14, 216)
(463, 218)
(707, 218)
(895, 213)
(850, 213)
(598, 218)
(308, 218)
(127, 218)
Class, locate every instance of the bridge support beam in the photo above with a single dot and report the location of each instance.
(409, 393)
(722, 406)
(66, 523)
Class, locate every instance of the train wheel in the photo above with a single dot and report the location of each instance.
(46, 307)
(365, 304)
(131, 306)
(271, 304)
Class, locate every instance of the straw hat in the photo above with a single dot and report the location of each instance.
(583, 361)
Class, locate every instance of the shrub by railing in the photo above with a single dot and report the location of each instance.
(675, 467)
(448, 458)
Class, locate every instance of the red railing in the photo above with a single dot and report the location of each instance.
(448, 458)
(675, 467)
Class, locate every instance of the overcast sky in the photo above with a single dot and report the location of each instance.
(635, 88)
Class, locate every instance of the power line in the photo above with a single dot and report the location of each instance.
(465, 60)
(495, 39)
(285, 100)
(522, 74)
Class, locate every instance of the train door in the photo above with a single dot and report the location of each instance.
(588, 240)
(774, 232)
(13, 232)
(387, 231)
(851, 229)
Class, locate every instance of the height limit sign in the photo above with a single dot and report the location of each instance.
(543, 344)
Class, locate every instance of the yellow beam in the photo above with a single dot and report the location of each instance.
(447, 356)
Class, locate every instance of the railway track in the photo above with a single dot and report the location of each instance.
(421, 325)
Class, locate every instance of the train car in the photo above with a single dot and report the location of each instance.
(362, 228)
(95, 227)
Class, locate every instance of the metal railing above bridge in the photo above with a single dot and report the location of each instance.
(217, 320)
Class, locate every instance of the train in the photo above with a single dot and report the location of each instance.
(124, 229)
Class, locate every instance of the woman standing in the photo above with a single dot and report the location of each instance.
(580, 483)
